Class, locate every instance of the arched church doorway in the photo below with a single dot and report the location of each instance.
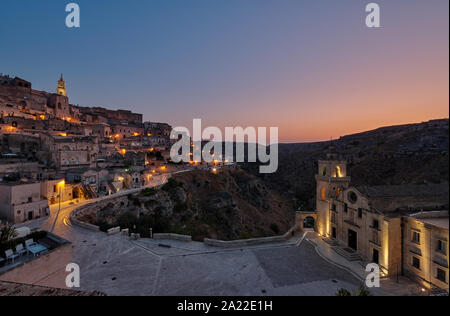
(309, 222)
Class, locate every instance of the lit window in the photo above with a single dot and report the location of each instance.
(323, 194)
(339, 172)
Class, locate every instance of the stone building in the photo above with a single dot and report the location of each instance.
(102, 130)
(17, 94)
(55, 191)
(21, 168)
(93, 181)
(425, 248)
(18, 99)
(71, 151)
(123, 131)
(81, 145)
(375, 223)
(112, 117)
(21, 202)
(20, 144)
(157, 129)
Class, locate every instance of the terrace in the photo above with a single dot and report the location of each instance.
(42, 243)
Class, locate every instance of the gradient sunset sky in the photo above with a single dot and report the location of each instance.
(310, 67)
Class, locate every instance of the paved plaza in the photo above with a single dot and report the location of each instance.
(116, 265)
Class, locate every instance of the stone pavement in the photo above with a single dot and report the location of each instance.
(116, 265)
(388, 287)
(327, 253)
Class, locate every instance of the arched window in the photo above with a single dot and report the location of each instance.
(324, 171)
(323, 195)
(339, 172)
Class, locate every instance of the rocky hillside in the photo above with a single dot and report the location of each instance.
(413, 153)
(228, 205)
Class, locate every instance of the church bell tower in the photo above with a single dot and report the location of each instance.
(61, 90)
(331, 180)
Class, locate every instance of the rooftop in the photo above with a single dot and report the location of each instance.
(20, 289)
(436, 218)
(404, 190)
(441, 222)
(6, 181)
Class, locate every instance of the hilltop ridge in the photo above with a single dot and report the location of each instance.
(410, 153)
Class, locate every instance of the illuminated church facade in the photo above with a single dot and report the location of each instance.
(402, 228)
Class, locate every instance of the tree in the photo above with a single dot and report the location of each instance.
(362, 291)
(343, 292)
(8, 232)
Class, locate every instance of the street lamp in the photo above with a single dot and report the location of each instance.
(60, 184)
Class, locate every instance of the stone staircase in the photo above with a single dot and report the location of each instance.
(330, 242)
(89, 192)
(112, 187)
(347, 253)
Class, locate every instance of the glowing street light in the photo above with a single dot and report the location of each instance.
(60, 185)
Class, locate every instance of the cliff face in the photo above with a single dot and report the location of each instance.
(230, 204)
(413, 153)
(234, 204)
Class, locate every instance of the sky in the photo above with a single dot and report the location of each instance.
(309, 67)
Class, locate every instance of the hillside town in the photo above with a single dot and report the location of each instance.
(53, 151)
(92, 185)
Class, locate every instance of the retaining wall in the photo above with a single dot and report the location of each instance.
(173, 237)
(252, 241)
(90, 209)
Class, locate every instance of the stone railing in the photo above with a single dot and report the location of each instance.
(89, 209)
(178, 237)
(75, 221)
(250, 242)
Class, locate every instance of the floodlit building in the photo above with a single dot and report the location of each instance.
(425, 248)
(403, 228)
